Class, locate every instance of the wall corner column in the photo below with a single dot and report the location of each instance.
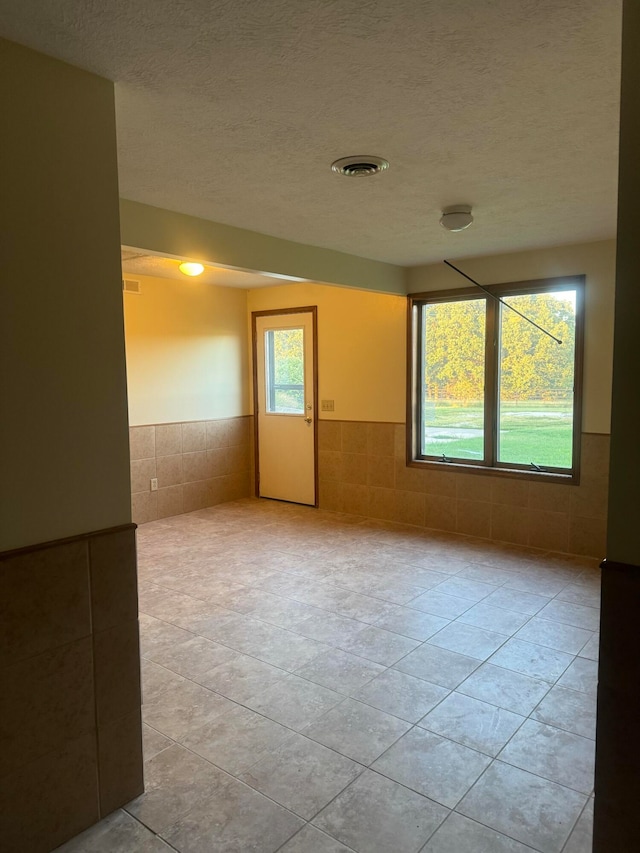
(617, 781)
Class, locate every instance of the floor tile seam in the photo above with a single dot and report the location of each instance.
(569, 624)
(545, 778)
(329, 646)
(404, 719)
(388, 779)
(194, 597)
(549, 683)
(595, 607)
(313, 826)
(528, 618)
(368, 623)
(299, 674)
(493, 828)
(378, 597)
(558, 622)
(156, 834)
(314, 606)
(338, 647)
(261, 660)
(270, 752)
(230, 778)
(530, 591)
(158, 732)
(360, 702)
(145, 656)
(544, 619)
(264, 622)
(289, 736)
(317, 606)
(273, 720)
(577, 820)
(431, 567)
(527, 847)
(559, 728)
(481, 627)
(586, 589)
(542, 646)
(552, 682)
(501, 831)
(457, 742)
(179, 591)
(554, 725)
(370, 660)
(453, 622)
(373, 597)
(437, 828)
(332, 749)
(488, 701)
(173, 625)
(460, 743)
(499, 756)
(444, 686)
(431, 798)
(164, 829)
(471, 604)
(478, 561)
(495, 586)
(239, 704)
(418, 640)
(285, 672)
(193, 631)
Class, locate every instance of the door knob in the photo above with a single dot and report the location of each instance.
(308, 420)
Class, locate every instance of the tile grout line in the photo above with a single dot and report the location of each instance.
(387, 667)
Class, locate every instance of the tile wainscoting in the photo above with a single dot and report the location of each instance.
(362, 470)
(70, 695)
(197, 464)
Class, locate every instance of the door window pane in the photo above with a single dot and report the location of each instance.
(284, 357)
(536, 380)
(453, 358)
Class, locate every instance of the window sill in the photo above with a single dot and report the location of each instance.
(569, 479)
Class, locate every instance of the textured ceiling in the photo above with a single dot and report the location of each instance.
(233, 110)
(136, 262)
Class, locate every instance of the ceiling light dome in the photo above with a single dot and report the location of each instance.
(189, 268)
(457, 217)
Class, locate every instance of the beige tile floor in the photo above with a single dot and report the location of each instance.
(320, 683)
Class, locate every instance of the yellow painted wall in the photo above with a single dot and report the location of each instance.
(361, 347)
(64, 449)
(187, 351)
(361, 335)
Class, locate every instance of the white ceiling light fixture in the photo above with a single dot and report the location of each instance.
(192, 269)
(360, 166)
(457, 217)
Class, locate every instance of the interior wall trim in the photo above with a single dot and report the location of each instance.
(80, 537)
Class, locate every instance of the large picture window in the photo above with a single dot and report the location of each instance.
(489, 390)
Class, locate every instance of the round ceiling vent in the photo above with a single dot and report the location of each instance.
(360, 167)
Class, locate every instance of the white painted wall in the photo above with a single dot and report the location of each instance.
(64, 451)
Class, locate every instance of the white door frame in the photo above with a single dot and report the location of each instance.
(309, 309)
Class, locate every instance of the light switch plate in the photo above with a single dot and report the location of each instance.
(327, 405)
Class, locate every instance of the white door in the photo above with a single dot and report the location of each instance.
(285, 396)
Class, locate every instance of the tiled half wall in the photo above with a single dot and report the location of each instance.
(362, 470)
(197, 464)
(70, 693)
